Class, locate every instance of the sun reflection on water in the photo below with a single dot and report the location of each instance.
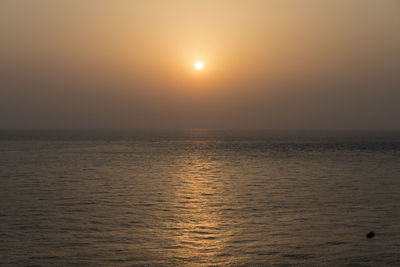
(200, 232)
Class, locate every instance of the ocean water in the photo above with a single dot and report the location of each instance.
(199, 198)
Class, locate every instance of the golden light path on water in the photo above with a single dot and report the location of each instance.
(200, 230)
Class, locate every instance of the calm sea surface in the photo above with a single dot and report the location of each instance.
(199, 198)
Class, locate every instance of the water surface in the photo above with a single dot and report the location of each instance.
(199, 198)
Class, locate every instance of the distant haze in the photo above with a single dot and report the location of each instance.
(280, 64)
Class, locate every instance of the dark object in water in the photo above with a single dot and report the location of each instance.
(371, 234)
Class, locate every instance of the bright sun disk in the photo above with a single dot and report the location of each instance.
(199, 65)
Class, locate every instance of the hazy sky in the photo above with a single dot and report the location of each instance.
(308, 64)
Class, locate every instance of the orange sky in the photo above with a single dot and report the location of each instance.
(268, 64)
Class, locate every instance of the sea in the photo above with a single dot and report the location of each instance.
(199, 198)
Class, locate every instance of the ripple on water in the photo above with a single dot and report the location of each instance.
(211, 199)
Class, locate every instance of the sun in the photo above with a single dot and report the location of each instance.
(198, 65)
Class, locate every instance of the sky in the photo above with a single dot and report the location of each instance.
(278, 64)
